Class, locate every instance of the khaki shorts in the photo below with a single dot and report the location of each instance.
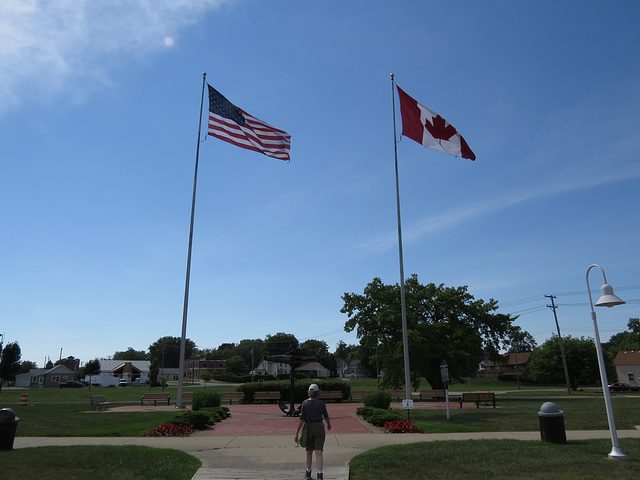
(316, 436)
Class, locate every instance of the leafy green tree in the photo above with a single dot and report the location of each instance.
(235, 366)
(345, 352)
(166, 351)
(280, 343)
(314, 348)
(91, 368)
(519, 341)
(545, 365)
(206, 353)
(9, 362)
(154, 371)
(320, 350)
(622, 341)
(205, 377)
(131, 354)
(26, 366)
(245, 348)
(443, 323)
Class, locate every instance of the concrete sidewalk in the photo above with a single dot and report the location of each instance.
(277, 457)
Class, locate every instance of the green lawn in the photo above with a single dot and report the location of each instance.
(62, 412)
(10, 397)
(497, 460)
(97, 463)
(76, 420)
(55, 412)
(515, 414)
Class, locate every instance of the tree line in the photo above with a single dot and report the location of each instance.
(239, 358)
(443, 324)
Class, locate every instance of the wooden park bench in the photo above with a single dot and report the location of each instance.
(155, 398)
(331, 395)
(435, 395)
(399, 395)
(99, 403)
(358, 394)
(187, 397)
(270, 396)
(231, 396)
(478, 398)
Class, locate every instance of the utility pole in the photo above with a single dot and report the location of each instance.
(514, 346)
(564, 358)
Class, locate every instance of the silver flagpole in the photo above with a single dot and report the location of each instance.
(188, 275)
(405, 338)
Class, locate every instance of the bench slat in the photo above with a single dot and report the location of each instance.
(358, 394)
(266, 396)
(155, 397)
(231, 396)
(331, 395)
(478, 397)
(430, 395)
(99, 403)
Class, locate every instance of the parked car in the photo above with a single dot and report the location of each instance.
(71, 384)
(123, 383)
(624, 387)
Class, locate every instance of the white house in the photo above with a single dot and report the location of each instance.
(134, 371)
(44, 377)
(628, 367)
(312, 369)
(351, 369)
(266, 367)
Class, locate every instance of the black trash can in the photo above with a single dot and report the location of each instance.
(552, 423)
(8, 426)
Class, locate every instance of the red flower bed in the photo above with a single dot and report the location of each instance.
(402, 426)
(170, 430)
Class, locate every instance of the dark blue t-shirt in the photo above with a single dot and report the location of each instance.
(307, 410)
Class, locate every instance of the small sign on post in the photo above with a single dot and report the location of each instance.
(444, 374)
(407, 404)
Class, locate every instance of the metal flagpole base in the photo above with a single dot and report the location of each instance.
(617, 454)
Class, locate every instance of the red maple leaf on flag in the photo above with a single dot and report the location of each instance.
(439, 129)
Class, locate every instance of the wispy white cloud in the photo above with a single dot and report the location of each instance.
(589, 177)
(49, 46)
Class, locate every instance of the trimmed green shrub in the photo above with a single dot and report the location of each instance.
(216, 414)
(380, 417)
(377, 416)
(365, 411)
(200, 421)
(378, 399)
(206, 399)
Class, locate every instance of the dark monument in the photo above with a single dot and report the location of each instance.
(290, 358)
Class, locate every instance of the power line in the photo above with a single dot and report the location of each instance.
(522, 300)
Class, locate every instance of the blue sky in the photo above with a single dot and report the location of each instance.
(99, 106)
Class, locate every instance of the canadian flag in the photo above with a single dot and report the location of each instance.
(430, 129)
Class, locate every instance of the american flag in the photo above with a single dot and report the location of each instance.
(232, 124)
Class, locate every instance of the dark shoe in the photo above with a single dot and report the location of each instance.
(307, 474)
(320, 476)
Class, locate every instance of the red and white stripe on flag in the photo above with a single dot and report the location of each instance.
(431, 130)
(232, 124)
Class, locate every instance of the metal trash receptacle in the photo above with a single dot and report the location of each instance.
(8, 427)
(552, 423)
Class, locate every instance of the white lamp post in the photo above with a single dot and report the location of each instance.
(608, 299)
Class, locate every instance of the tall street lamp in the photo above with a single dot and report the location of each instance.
(608, 299)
